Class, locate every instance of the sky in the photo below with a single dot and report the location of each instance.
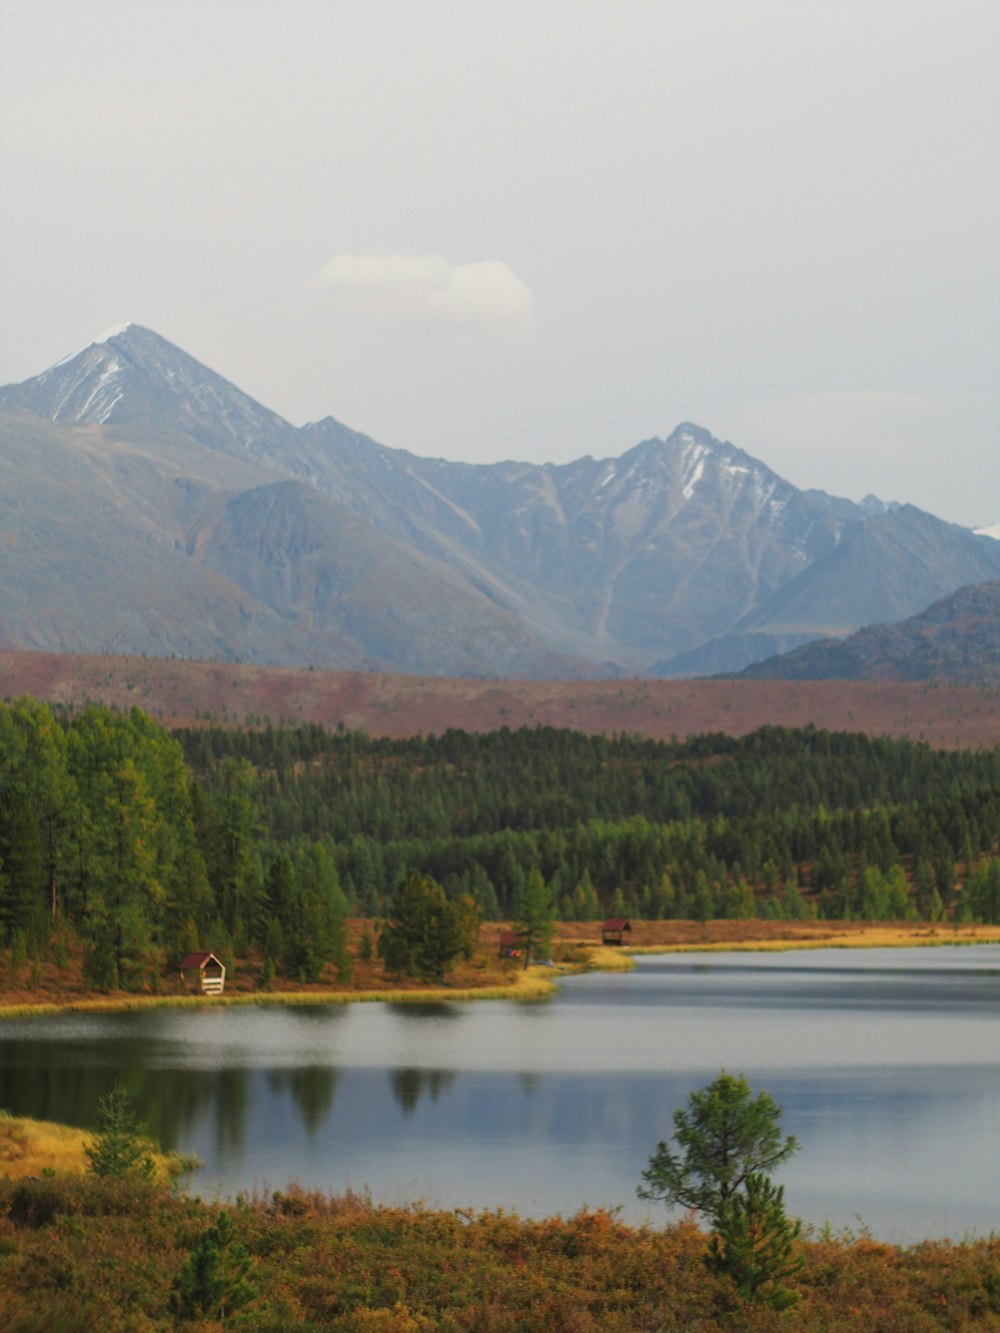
(488, 229)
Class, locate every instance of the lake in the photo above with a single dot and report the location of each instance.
(885, 1062)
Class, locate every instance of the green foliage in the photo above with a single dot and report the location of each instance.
(120, 1149)
(754, 1244)
(426, 933)
(137, 844)
(983, 890)
(725, 1135)
(215, 1278)
(795, 906)
(535, 918)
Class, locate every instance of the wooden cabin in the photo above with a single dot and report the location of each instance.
(615, 930)
(211, 971)
(511, 944)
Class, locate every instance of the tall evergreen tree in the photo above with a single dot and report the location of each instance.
(426, 933)
(536, 915)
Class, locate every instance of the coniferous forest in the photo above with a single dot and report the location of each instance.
(138, 845)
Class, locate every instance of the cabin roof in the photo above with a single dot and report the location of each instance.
(198, 959)
(510, 938)
(617, 923)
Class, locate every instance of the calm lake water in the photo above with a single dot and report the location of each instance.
(886, 1063)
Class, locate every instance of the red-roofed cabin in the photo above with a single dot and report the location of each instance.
(511, 944)
(211, 971)
(615, 929)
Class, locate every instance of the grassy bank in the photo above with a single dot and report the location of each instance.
(576, 948)
(876, 937)
(30, 1147)
(89, 1254)
(680, 935)
(531, 985)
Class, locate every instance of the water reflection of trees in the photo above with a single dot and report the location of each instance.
(35, 1081)
(409, 1085)
(424, 1009)
(311, 1089)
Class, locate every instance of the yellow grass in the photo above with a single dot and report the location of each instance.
(29, 1147)
(533, 984)
(871, 937)
(603, 958)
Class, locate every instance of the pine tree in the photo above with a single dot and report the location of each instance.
(754, 1244)
(725, 1136)
(215, 1278)
(120, 1149)
(536, 914)
(426, 933)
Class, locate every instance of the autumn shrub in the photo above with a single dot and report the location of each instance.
(117, 1255)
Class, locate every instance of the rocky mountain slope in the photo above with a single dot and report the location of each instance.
(114, 544)
(199, 522)
(955, 639)
(884, 569)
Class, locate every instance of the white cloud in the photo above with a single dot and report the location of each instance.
(430, 287)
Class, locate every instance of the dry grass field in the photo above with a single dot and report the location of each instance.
(181, 692)
(28, 1147)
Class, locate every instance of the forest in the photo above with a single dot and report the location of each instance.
(137, 845)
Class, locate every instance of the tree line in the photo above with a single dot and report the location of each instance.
(782, 822)
(141, 845)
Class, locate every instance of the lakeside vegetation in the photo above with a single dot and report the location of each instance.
(31, 1148)
(312, 862)
(123, 847)
(97, 1239)
(109, 1254)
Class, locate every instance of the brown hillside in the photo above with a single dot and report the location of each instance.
(180, 692)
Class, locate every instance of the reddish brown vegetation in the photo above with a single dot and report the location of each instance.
(177, 693)
(104, 1255)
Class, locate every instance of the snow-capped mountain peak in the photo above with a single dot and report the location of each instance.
(130, 376)
(626, 562)
(113, 332)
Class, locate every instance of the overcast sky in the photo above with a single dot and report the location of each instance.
(532, 230)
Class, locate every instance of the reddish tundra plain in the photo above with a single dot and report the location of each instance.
(179, 693)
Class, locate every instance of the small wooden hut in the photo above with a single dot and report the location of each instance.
(615, 930)
(211, 971)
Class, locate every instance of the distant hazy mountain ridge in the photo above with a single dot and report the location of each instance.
(201, 523)
(957, 639)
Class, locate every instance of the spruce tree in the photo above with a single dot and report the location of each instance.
(215, 1278)
(754, 1244)
(536, 914)
(120, 1149)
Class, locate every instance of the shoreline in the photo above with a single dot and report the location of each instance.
(539, 982)
(533, 987)
(30, 1148)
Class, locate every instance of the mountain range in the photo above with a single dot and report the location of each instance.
(149, 506)
(956, 639)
